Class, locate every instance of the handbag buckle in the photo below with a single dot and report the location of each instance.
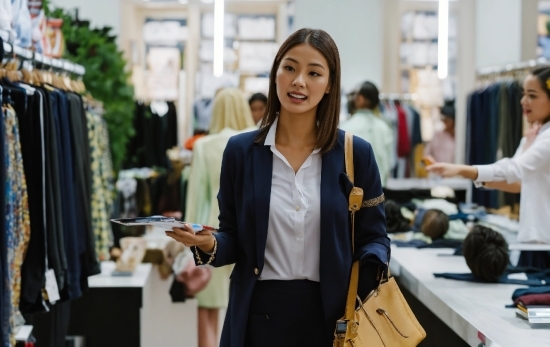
(355, 199)
(341, 327)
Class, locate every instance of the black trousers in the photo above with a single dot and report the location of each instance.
(287, 313)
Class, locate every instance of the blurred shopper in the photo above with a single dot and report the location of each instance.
(230, 116)
(365, 124)
(284, 218)
(258, 104)
(528, 172)
(442, 146)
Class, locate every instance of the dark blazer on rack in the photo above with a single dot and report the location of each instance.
(244, 198)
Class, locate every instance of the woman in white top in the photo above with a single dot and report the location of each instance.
(284, 219)
(528, 172)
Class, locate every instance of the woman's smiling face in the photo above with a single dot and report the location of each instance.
(302, 79)
(535, 101)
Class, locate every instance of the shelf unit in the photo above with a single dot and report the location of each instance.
(29, 55)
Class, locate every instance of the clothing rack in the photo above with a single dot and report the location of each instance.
(59, 65)
(398, 96)
(510, 68)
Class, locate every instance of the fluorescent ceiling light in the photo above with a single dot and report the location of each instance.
(218, 37)
(443, 40)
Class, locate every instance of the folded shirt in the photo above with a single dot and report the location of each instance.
(439, 243)
(533, 299)
(531, 290)
(535, 278)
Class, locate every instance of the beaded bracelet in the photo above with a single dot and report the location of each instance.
(212, 256)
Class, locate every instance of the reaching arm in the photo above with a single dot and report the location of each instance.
(452, 170)
(503, 186)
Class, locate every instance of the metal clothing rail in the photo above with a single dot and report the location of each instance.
(492, 70)
(27, 54)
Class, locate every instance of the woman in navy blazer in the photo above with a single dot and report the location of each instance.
(303, 106)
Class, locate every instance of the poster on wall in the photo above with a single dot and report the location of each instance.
(163, 66)
(164, 48)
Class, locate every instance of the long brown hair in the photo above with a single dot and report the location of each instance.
(328, 110)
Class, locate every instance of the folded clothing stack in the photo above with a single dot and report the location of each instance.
(533, 305)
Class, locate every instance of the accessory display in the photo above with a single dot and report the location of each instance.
(383, 319)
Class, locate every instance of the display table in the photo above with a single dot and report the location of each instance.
(133, 311)
(476, 312)
(24, 333)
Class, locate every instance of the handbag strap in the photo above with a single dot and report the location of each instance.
(348, 148)
(354, 278)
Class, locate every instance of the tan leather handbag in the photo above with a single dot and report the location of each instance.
(383, 319)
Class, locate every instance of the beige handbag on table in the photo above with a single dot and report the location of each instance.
(383, 319)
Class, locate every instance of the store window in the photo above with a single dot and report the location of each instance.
(164, 48)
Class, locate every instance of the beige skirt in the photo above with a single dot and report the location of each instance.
(216, 293)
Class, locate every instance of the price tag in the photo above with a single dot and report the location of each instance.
(51, 287)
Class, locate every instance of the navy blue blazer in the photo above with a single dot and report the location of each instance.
(244, 196)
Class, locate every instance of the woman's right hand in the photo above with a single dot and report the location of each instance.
(204, 239)
(452, 170)
(444, 169)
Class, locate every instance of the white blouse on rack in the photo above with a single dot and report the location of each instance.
(532, 168)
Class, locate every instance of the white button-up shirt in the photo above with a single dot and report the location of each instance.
(532, 168)
(294, 230)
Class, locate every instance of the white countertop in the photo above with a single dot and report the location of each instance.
(466, 307)
(105, 280)
(529, 247)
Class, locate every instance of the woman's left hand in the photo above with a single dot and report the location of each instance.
(204, 239)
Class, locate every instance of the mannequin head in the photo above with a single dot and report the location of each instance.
(536, 96)
(486, 253)
(367, 96)
(435, 224)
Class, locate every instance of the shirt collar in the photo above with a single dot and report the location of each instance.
(270, 137)
(544, 127)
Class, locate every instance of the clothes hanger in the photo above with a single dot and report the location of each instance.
(36, 75)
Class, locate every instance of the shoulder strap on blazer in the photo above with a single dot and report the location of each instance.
(355, 202)
(348, 148)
